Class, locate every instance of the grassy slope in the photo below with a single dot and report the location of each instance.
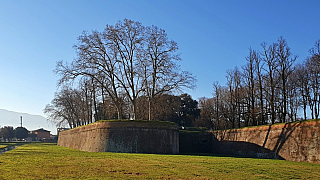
(46, 161)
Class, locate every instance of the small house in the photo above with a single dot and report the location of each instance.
(41, 134)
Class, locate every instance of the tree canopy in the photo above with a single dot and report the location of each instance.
(21, 132)
(7, 132)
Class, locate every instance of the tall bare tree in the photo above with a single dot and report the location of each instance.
(269, 57)
(127, 38)
(302, 78)
(128, 60)
(159, 64)
(234, 85)
(295, 98)
(95, 60)
(217, 96)
(313, 68)
(260, 83)
(285, 60)
(249, 72)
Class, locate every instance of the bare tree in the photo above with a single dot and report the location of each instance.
(270, 87)
(126, 38)
(159, 64)
(285, 60)
(95, 60)
(269, 57)
(234, 85)
(68, 107)
(313, 69)
(217, 102)
(249, 71)
(259, 66)
(302, 78)
(126, 61)
(295, 98)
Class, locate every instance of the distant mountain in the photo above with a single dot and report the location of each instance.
(31, 122)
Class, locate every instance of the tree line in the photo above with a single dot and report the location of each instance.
(131, 71)
(270, 88)
(124, 72)
(8, 133)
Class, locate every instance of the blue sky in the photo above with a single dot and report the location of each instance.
(213, 36)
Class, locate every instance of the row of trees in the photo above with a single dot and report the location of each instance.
(121, 69)
(8, 133)
(71, 107)
(129, 71)
(269, 88)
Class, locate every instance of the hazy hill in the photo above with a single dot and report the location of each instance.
(31, 122)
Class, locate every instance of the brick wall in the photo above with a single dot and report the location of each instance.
(293, 142)
(123, 136)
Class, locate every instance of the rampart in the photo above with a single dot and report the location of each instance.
(291, 141)
(123, 136)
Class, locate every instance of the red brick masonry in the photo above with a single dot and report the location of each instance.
(293, 142)
(123, 136)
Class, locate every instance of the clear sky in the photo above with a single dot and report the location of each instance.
(213, 36)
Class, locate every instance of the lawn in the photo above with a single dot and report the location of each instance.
(6, 144)
(48, 161)
(3, 146)
(9, 144)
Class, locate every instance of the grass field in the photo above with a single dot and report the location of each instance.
(9, 144)
(48, 161)
(5, 144)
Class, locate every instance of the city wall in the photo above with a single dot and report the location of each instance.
(123, 136)
(298, 141)
(293, 142)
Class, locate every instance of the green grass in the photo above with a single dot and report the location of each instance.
(48, 161)
(8, 144)
(3, 146)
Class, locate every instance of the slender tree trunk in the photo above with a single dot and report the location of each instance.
(94, 101)
(149, 109)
